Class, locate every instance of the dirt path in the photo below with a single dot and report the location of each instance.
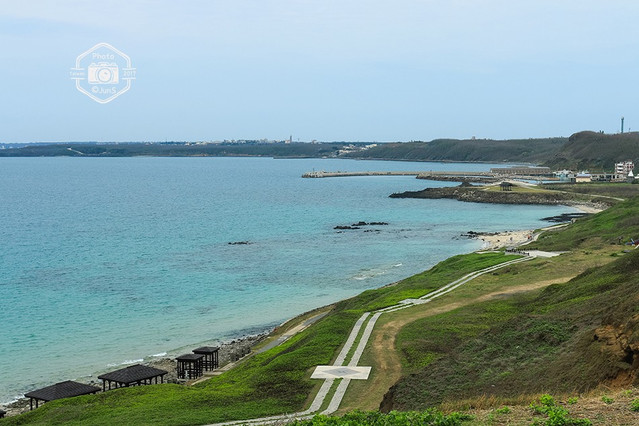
(387, 363)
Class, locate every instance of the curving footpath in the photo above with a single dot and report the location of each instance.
(368, 320)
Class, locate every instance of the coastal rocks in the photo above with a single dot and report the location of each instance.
(480, 195)
(473, 234)
(359, 225)
(565, 217)
(239, 243)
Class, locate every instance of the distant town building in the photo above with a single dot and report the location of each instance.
(584, 176)
(523, 171)
(623, 169)
(566, 175)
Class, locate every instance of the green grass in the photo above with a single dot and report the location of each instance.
(423, 283)
(614, 226)
(527, 343)
(274, 382)
(554, 413)
(394, 418)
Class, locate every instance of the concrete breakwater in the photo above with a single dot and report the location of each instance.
(323, 174)
(419, 175)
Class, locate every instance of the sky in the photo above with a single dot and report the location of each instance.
(327, 70)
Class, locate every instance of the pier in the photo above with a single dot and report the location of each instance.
(323, 174)
(420, 174)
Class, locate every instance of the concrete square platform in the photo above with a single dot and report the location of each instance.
(340, 372)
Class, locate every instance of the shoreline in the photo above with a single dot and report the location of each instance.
(235, 349)
(230, 349)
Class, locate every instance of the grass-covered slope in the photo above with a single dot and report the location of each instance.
(566, 338)
(592, 150)
(616, 225)
(488, 150)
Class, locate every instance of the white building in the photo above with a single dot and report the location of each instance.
(623, 169)
(582, 177)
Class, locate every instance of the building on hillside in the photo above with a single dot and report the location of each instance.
(631, 177)
(583, 177)
(623, 169)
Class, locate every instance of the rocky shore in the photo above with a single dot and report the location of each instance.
(229, 352)
(480, 195)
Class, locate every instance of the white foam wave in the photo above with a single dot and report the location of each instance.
(127, 362)
(372, 273)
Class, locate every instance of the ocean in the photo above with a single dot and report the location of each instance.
(110, 261)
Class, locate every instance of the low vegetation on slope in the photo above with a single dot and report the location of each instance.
(592, 150)
(566, 338)
(616, 225)
(515, 150)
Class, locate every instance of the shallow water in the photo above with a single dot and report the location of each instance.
(114, 260)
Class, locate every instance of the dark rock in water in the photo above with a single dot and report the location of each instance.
(466, 184)
(473, 234)
(565, 217)
(362, 223)
(359, 224)
(239, 243)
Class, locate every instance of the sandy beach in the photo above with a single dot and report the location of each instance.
(505, 239)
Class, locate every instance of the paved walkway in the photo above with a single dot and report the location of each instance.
(367, 320)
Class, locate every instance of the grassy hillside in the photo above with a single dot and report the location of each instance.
(583, 150)
(566, 338)
(616, 225)
(596, 151)
(515, 150)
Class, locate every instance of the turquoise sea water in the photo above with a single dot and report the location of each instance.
(106, 261)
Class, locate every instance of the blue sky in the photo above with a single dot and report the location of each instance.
(327, 70)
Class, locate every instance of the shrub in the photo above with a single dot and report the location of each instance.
(503, 410)
(557, 415)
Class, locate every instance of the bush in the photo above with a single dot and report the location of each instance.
(394, 418)
(557, 415)
(503, 410)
